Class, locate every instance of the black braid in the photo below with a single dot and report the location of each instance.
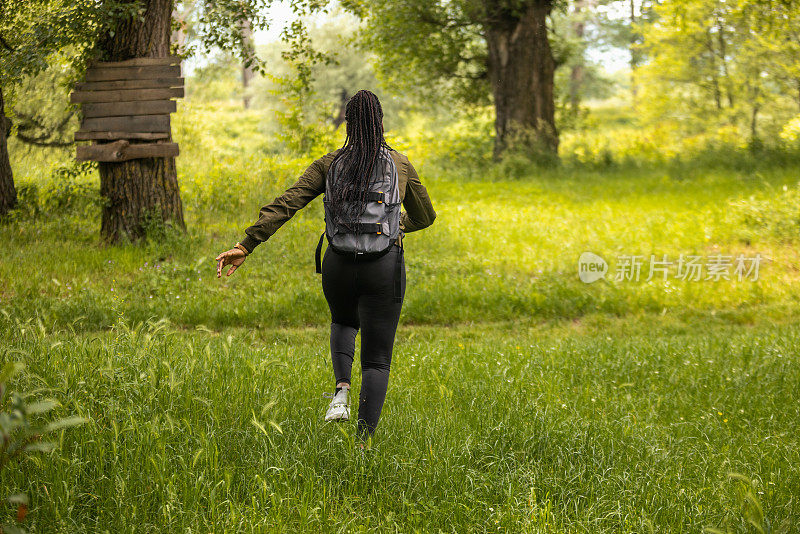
(357, 158)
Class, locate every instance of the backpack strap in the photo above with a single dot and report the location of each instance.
(368, 228)
(318, 254)
(376, 196)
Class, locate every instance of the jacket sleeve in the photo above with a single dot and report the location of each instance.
(418, 212)
(272, 216)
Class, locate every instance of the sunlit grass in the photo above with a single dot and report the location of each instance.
(500, 249)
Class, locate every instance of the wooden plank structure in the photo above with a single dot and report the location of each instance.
(124, 95)
(123, 150)
(126, 109)
(131, 123)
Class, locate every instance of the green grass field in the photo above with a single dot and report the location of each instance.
(521, 399)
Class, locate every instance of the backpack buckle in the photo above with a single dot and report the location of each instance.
(381, 200)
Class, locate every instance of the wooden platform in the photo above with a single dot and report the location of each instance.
(126, 108)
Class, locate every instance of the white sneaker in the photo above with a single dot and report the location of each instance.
(339, 408)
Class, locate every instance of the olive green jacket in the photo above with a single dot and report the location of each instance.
(418, 212)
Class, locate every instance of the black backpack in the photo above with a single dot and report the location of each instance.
(378, 228)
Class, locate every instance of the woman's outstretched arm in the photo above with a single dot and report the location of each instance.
(272, 216)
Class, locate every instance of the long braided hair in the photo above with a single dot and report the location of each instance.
(357, 158)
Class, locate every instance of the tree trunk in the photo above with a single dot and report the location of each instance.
(339, 118)
(634, 55)
(247, 72)
(577, 74)
(140, 192)
(521, 69)
(714, 79)
(754, 124)
(8, 194)
(723, 53)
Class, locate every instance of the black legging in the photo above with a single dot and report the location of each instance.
(362, 294)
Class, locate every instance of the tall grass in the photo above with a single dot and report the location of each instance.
(486, 429)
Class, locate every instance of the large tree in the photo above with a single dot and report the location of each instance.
(474, 48)
(139, 189)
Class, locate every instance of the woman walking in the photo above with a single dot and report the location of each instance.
(363, 271)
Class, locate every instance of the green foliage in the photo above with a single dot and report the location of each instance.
(428, 49)
(217, 79)
(452, 141)
(609, 136)
(352, 69)
(41, 114)
(36, 33)
(791, 131)
(71, 191)
(303, 130)
(713, 64)
(220, 25)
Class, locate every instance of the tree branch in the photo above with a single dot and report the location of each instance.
(5, 44)
(28, 122)
(31, 123)
(445, 23)
(480, 76)
(42, 141)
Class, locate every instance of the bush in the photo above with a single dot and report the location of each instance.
(70, 189)
(20, 436)
(777, 216)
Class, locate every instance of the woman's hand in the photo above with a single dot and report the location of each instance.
(233, 257)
